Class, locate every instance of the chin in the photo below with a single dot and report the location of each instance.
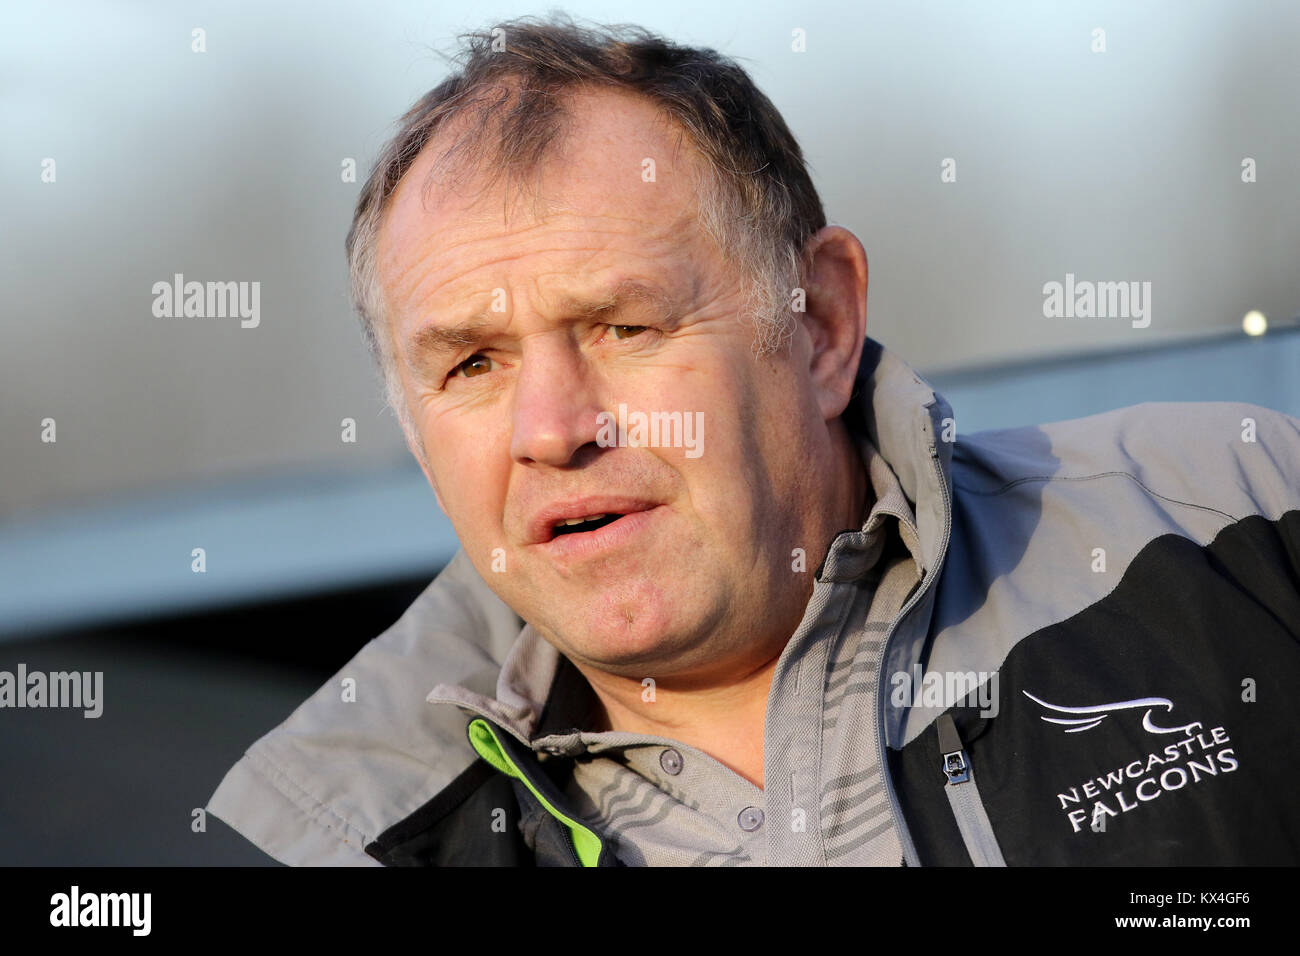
(621, 632)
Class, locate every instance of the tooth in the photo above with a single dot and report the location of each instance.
(573, 521)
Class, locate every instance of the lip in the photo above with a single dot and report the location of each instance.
(626, 530)
(541, 529)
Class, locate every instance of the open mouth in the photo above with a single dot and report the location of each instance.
(580, 525)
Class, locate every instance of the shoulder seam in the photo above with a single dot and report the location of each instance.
(1101, 474)
(313, 806)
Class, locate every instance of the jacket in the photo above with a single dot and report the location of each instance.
(1099, 666)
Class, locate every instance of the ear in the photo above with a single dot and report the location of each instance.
(835, 316)
(417, 450)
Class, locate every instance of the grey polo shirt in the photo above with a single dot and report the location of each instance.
(663, 803)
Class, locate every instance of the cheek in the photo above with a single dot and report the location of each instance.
(470, 469)
(769, 431)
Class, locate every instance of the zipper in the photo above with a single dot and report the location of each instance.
(964, 797)
(910, 856)
(573, 854)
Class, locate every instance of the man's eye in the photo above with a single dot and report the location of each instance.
(627, 331)
(472, 366)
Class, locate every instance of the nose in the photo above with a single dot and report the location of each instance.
(555, 411)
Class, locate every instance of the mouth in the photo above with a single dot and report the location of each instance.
(589, 530)
(583, 525)
(580, 516)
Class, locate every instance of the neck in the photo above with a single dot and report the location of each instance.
(723, 712)
(722, 718)
(854, 478)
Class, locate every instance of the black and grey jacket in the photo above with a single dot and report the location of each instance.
(1100, 666)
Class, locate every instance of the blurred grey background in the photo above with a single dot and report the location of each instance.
(1122, 165)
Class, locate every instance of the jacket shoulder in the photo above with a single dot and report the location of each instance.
(320, 787)
(1048, 520)
(1231, 457)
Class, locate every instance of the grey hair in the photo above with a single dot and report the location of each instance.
(757, 202)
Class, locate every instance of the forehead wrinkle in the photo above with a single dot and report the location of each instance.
(460, 233)
(408, 278)
(625, 291)
(410, 292)
(473, 330)
(409, 298)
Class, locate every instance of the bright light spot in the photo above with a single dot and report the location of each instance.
(1254, 323)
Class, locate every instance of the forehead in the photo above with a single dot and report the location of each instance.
(620, 180)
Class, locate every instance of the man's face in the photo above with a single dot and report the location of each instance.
(699, 567)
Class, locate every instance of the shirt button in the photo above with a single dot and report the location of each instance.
(750, 819)
(671, 761)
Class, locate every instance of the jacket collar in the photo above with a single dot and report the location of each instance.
(905, 419)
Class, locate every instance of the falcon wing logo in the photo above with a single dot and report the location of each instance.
(1086, 718)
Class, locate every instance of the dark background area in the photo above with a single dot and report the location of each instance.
(183, 697)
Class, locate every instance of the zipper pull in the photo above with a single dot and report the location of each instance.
(967, 809)
(955, 765)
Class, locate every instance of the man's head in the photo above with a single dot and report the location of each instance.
(671, 227)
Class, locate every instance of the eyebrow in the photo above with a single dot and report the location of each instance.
(434, 341)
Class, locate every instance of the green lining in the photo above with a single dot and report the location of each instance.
(585, 843)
